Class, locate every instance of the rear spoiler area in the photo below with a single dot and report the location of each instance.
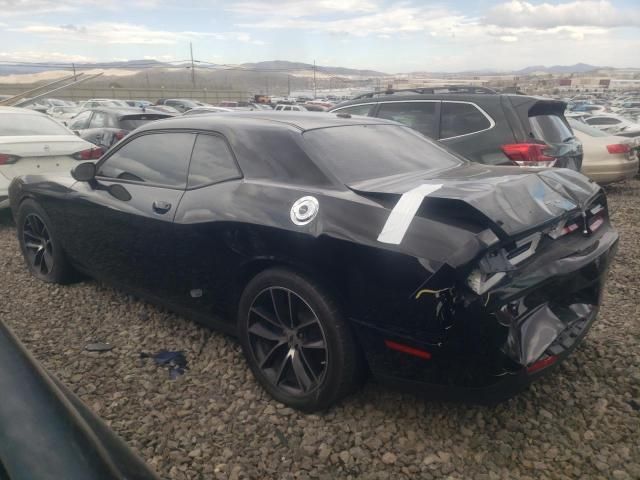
(525, 107)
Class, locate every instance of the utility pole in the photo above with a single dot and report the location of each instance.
(193, 68)
(314, 80)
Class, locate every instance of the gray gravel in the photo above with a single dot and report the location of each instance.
(215, 422)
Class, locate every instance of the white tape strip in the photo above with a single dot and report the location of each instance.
(400, 218)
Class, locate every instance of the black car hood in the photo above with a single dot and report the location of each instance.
(513, 199)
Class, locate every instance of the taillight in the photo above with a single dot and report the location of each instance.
(542, 364)
(6, 159)
(89, 154)
(618, 148)
(528, 154)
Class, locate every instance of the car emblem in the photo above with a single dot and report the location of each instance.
(304, 210)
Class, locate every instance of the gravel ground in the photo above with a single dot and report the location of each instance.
(215, 422)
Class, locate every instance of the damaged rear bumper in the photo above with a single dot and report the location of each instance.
(501, 342)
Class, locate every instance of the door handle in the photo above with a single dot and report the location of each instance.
(161, 207)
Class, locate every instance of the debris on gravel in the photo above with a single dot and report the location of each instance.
(215, 422)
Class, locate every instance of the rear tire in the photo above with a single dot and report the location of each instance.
(297, 342)
(42, 252)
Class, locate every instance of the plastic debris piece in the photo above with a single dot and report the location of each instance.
(174, 360)
(98, 347)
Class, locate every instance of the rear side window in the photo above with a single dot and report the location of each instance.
(100, 120)
(80, 121)
(420, 116)
(550, 128)
(211, 162)
(157, 158)
(363, 110)
(461, 119)
(355, 153)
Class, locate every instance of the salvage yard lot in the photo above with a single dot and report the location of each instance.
(216, 422)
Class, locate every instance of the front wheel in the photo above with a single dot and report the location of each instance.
(298, 345)
(42, 252)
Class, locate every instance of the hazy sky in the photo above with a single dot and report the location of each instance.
(391, 36)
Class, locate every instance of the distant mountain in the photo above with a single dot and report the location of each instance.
(284, 66)
(577, 68)
(48, 66)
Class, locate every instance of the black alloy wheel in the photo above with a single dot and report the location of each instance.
(287, 340)
(298, 345)
(38, 245)
(41, 249)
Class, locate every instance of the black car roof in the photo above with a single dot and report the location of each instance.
(298, 120)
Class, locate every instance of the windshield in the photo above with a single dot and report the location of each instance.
(584, 128)
(23, 125)
(361, 152)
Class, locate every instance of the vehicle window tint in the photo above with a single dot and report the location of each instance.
(211, 162)
(363, 110)
(160, 158)
(420, 116)
(99, 120)
(461, 119)
(550, 128)
(361, 152)
(80, 121)
(602, 121)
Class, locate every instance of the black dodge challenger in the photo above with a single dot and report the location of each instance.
(332, 246)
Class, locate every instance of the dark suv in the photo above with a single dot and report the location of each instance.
(480, 124)
(108, 125)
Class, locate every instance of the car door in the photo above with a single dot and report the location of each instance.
(208, 245)
(120, 226)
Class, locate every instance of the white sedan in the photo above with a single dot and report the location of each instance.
(607, 158)
(33, 143)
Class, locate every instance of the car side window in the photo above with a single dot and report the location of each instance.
(363, 110)
(80, 121)
(461, 119)
(99, 120)
(158, 158)
(420, 116)
(211, 162)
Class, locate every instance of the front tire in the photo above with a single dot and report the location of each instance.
(42, 252)
(298, 345)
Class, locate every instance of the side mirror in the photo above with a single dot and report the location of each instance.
(84, 172)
